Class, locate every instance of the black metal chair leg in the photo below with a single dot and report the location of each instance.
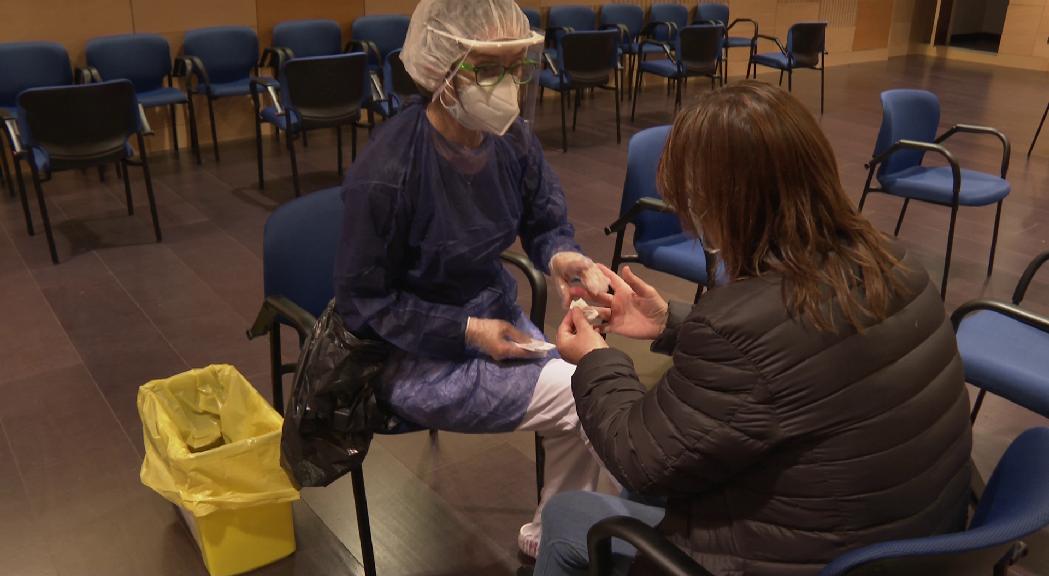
(994, 239)
(127, 191)
(950, 250)
(619, 123)
(258, 152)
(194, 140)
(564, 121)
(977, 405)
(780, 77)
(637, 93)
(903, 212)
(790, 80)
(294, 163)
(677, 95)
(149, 187)
(305, 139)
(8, 181)
(174, 129)
(24, 197)
(353, 142)
(575, 109)
(1038, 131)
(338, 147)
(43, 213)
(822, 86)
(276, 363)
(360, 501)
(214, 130)
(540, 467)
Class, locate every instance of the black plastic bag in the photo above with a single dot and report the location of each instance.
(333, 412)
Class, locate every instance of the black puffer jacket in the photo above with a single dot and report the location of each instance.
(780, 447)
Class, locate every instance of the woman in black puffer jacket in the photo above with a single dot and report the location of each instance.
(816, 402)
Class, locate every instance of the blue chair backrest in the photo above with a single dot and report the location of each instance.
(386, 31)
(715, 12)
(535, 19)
(299, 245)
(228, 52)
(25, 65)
(629, 15)
(579, 18)
(144, 59)
(307, 38)
(76, 122)
(906, 115)
(643, 155)
(1014, 505)
(676, 14)
(805, 42)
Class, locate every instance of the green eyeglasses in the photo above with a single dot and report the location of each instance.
(488, 75)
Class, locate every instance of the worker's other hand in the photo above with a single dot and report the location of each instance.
(498, 339)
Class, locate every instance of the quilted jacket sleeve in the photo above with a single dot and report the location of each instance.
(708, 419)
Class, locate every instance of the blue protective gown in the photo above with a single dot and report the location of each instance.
(425, 223)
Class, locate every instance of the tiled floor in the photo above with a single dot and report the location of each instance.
(80, 337)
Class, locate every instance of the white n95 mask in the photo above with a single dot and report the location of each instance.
(491, 109)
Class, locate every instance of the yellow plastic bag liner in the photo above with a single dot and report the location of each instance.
(213, 448)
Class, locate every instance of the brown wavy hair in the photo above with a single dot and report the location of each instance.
(749, 169)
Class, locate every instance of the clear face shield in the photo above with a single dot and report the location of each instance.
(494, 83)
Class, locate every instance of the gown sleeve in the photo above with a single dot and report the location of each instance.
(545, 230)
(369, 273)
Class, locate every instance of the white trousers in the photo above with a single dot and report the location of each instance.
(570, 462)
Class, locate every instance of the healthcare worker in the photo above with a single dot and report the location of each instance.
(442, 189)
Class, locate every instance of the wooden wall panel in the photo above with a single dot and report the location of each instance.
(272, 12)
(389, 6)
(873, 23)
(69, 22)
(1021, 25)
(169, 16)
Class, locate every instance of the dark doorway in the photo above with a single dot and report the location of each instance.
(972, 24)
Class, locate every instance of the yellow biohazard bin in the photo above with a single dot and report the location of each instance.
(213, 448)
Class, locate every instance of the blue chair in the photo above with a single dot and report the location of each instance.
(1014, 506)
(720, 13)
(698, 51)
(535, 19)
(629, 19)
(300, 242)
(666, 20)
(315, 92)
(561, 20)
(806, 48)
(222, 60)
(145, 60)
(304, 39)
(25, 65)
(908, 130)
(1005, 349)
(73, 127)
(584, 60)
(397, 84)
(378, 36)
(659, 240)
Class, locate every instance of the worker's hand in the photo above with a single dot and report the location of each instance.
(576, 276)
(496, 338)
(636, 310)
(576, 337)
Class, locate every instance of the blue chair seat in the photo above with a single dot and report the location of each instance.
(776, 60)
(654, 49)
(269, 114)
(162, 96)
(42, 159)
(629, 47)
(679, 255)
(547, 79)
(738, 41)
(935, 184)
(236, 88)
(664, 68)
(1007, 358)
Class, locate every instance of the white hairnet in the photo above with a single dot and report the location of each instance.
(442, 32)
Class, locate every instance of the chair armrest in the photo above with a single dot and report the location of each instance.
(653, 204)
(550, 63)
(1028, 275)
(288, 312)
(753, 23)
(537, 283)
(624, 32)
(14, 136)
(271, 86)
(772, 38)
(649, 543)
(956, 170)
(275, 57)
(191, 67)
(366, 46)
(1018, 314)
(143, 122)
(969, 129)
(664, 45)
(86, 75)
(651, 27)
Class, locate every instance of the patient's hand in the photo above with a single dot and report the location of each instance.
(576, 337)
(635, 310)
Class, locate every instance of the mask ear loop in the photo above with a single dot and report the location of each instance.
(447, 83)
